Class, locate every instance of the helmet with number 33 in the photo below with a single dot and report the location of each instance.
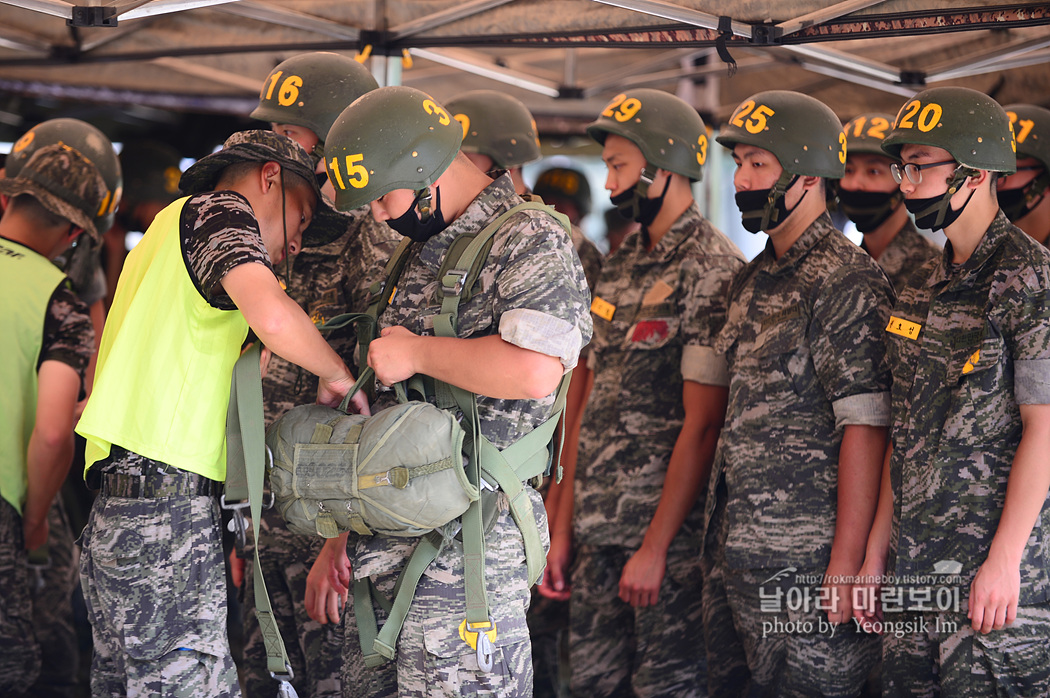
(669, 132)
(969, 124)
(801, 131)
(391, 138)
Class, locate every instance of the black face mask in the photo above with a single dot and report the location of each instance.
(752, 205)
(409, 224)
(868, 209)
(322, 179)
(926, 211)
(631, 205)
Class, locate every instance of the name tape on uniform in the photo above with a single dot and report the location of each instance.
(603, 309)
(904, 328)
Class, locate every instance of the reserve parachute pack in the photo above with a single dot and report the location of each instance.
(413, 469)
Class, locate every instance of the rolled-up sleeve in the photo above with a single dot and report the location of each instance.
(538, 331)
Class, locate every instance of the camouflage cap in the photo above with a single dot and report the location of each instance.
(64, 182)
(267, 146)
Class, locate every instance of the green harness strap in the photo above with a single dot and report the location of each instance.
(527, 458)
(246, 458)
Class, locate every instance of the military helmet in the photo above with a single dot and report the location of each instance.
(565, 183)
(668, 131)
(802, 132)
(1032, 130)
(391, 138)
(970, 125)
(311, 90)
(91, 143)
(865, 133)
(152, 170)
(496, 125)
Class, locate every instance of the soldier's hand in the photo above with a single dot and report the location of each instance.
(867, 608)
(35, 534)
(994, 593)
(839, 591)
(324, 603)
(556, 584)
(391, 354)
(332, 393)
(236, 569)
(642, 576)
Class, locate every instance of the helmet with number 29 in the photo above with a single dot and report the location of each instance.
(391, 138)
(669, 132)
(969, 124)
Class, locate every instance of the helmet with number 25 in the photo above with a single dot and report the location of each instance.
(969, 124)
(801, 131)
(391, 138)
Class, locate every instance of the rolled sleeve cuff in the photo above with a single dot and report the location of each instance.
(704, 365)
(538, 331)
(1032, 382)
(867, 409)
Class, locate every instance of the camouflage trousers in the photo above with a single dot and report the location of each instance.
(938, 654)
(19, 652)
(433, 661)
(152, 573)
(766, 636)
(314, 650)
(549, 634)
(619, 650)
(52, 580)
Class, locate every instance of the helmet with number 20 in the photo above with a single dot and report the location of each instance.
(391, 138)
(801, 131)
(969, 124)
(669, 132)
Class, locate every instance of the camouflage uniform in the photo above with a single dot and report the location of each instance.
(326, 281)
(908, 251)
(174, 542)
(549, 619)
(670, 304)
(803, 340)
(978, 348)
(531, 293)
(25, 616)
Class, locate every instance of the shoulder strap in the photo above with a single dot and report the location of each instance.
(244, 480)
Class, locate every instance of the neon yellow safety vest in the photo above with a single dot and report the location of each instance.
(27, 280)
(162, 384)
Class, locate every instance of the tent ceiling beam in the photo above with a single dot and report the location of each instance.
(796, 25)
(55, 8)
(478, 64)
(272, 14)
(438, 19)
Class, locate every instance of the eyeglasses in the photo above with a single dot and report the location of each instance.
(913, 171)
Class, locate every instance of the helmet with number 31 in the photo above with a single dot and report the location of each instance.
(391, 138)
(969, 124)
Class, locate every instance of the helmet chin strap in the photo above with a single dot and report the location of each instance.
(960, 175)
(284, 230)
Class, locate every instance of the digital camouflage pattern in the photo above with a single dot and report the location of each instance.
(52, 578)
(155, 589)
(618, 650)
(82, 263)
(219, 231)
(326, 281)
(19, 651)
(772, 659)
(68, 334)
(530, 291)
(967, 344)
(590, 256)
(946, 657)
(804, 344)
(670, 304)
(908, 251)
(803, 340)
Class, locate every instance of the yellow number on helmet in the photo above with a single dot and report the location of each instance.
(842, 150)
(23, 142)
(464, 121)
(431, 108)
(289, 90)
(701, 149)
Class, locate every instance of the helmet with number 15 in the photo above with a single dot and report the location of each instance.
(391, 138)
